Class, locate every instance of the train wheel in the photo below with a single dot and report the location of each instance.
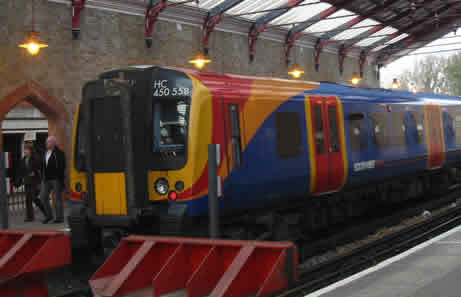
(111, 240)
(440, 183)
(83, 234)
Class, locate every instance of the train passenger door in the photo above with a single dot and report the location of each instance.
(232, 148)
(436, 141)
(327, 144)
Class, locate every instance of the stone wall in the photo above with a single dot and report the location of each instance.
(110, 40)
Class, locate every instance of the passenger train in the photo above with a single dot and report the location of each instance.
(291, 152)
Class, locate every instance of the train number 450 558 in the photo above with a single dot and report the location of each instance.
(165, 92)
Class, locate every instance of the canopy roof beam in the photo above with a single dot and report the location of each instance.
(77, 7)
(260, 24)
(323, 40)
(154, 8)
(214, 16)
(442, 13)
(296, 32)
(394, 49)
(347, 46)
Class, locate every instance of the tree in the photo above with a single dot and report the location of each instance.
(453, 72)
(428, 75)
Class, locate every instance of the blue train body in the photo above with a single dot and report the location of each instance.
(266, 178)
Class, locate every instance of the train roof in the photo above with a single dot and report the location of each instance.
(345, 92)
(378, 95)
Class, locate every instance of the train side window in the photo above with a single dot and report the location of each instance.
(380, 129)
(288, 133)
(399, 128)
(457, 126)
(449, 127)
(333, 121)
(236, 143)
(358, 133)
(418, 118)
(319, 133)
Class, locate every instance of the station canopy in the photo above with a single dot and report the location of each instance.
(387, 29)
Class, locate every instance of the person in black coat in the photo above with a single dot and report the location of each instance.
(53, 171)
(29, 175)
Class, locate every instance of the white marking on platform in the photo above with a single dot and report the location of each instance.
(448, 242)
(382, 264)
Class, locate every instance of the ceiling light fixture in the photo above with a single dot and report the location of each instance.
(200, 61)
(296, 71)
(355, 79)
(395, 84)
(33, 44)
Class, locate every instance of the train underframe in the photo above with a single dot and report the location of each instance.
(304, 219)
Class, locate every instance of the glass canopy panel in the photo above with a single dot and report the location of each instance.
(356, 30)
(299, 14)
(376, 36)
(451, 43)
(204, 4)
(336, 19)
(379, 48)
(249, 6)
(398, 38)
(369, 41)
(307, 10)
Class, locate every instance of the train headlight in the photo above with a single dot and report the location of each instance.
(161, 186)
(179, 186)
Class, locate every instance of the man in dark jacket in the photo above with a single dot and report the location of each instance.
(29, 175)
(53, 168)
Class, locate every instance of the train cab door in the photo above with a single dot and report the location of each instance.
(436, 141)
(108, 163)
(327, 144)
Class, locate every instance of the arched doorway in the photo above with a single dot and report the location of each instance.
(55, 112)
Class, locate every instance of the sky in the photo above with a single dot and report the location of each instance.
(392, 70)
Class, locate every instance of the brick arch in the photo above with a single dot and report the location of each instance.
(55, 112)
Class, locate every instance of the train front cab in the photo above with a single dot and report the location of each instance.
(133, 153)
(103, 165)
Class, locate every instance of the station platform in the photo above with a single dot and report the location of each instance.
(432, 269)
(16, 221)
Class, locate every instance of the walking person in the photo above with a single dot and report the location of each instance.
(53, 168)
(29, 175)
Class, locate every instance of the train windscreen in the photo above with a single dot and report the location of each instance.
(171, 99)
(170, 123)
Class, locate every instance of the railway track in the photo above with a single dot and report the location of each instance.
(362, 227)
(335, 269)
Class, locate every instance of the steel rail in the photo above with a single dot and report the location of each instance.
(372, 253)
